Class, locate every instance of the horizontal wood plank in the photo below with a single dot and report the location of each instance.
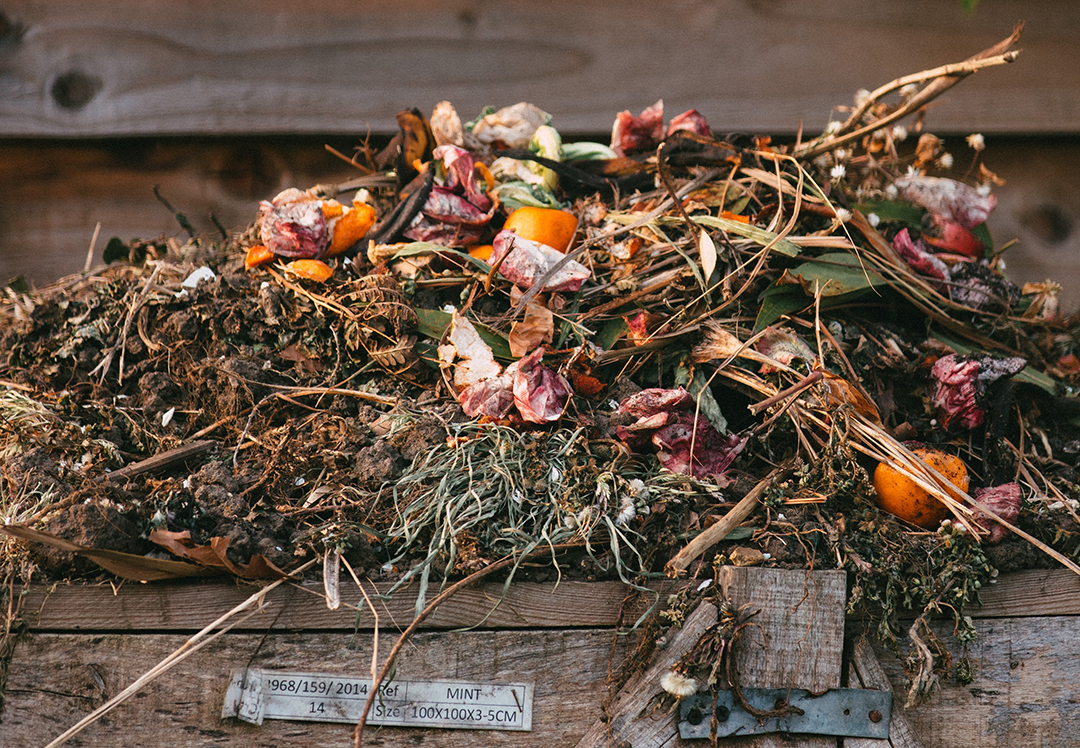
(56, 680)
(188, 607)
(72, 68)
(1025, 692)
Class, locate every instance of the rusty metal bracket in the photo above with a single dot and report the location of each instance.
(849, 712)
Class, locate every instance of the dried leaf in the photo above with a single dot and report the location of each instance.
(536, 328)
(123, 565)
(707, 250)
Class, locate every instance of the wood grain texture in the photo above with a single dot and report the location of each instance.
(56, 680)
(796, 640)
(76, 68)
(864, 671)
(188, 607)
(1025, 693)
(631, 719)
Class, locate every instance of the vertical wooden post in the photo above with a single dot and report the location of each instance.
(798, 639)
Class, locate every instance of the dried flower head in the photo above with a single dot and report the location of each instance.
(899, 133)
(837, 172)
(678, 685)
(976, 141)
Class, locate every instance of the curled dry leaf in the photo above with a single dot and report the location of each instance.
(123, 565)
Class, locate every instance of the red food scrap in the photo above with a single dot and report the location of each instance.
(691, 121)
(539, 393)
(293, 225)
(948, 199)
(641, 133)
(1002, 501)
(526, 262)
(685, 443)
(959, 383)
(917, 255)
(457, 212)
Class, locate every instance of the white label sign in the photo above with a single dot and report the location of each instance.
(255, 695)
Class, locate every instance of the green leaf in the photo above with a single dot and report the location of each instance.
(835, 274)
(982, 233)
(893, 210)
(610, 333)
(433, 323)
(777, 302)
(698, 386)
(423, 248)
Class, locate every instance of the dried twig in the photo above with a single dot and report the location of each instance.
(717, 532)
(943, 78)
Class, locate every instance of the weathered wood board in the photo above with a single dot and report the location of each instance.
(87, 643)
(795, 641)
(1025, 693)
(73, 68)
(188, 606)
(58, 679)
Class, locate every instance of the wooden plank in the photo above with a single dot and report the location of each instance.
(1038, 592)
(630, 720)
(797, 637)
(1025, 692)
(76, 68)
(188, 607)
(864, 671)
(55, 680)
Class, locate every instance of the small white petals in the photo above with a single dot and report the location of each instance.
(891, 192)
(873, 219)
(976, 141)
(841, 154)
(781, 517)
(837, 172)
(984, 189)
(299, 481)
(909, 90)
(913, 171)
(167, 416)
(861, 96)
(678, 685)
(899, 133)
(833, 127)
(843, 214)
(704, 584)
(946, 161)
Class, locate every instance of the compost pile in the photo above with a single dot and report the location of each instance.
(380, 373)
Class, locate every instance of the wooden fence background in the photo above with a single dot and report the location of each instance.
(223, 104)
